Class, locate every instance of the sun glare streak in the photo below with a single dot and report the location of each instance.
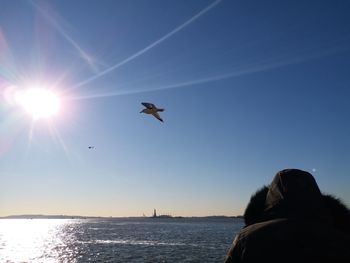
(84, 55)
(58, 138)
(8, 71)
(30, 136)
(144, 50)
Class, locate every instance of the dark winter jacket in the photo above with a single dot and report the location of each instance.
(291, 221)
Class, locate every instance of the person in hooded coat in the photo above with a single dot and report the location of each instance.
(291, 221)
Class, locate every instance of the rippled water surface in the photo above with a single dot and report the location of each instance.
(116, 240)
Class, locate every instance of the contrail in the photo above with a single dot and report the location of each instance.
(235, 73)
(247, 69)
(88, 59)
(232, 74)
(144, 50)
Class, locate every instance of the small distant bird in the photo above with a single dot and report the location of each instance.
(152, 109)
(91, 147)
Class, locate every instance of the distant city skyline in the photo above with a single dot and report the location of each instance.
(248, 88)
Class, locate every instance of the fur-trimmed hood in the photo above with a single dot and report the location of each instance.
(294, 194)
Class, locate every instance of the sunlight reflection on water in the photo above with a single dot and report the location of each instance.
(26, 240)
(115, 240)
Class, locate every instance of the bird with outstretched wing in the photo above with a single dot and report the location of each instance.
(152, 109)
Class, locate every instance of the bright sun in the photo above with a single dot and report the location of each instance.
(39, 102)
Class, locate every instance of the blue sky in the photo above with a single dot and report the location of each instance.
(249, 88)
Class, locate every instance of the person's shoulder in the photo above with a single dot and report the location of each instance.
(261, 228)
(285, 228)
(282, 238)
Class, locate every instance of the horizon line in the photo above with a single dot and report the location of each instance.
(25, 216)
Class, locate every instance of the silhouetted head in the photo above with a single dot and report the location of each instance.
(294, 194)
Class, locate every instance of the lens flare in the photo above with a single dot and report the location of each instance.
(39, 102)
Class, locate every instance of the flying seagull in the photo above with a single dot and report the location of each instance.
(91, 147)
(152, 109)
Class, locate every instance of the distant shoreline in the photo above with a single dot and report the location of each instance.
(105, 217)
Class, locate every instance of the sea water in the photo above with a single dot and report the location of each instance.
(117, 240)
